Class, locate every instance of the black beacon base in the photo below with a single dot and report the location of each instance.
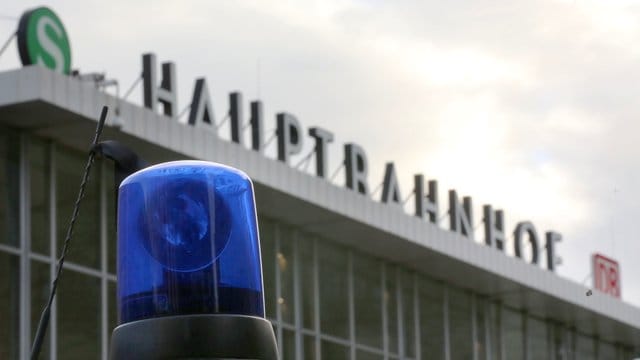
(195, 337)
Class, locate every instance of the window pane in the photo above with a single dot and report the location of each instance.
(460, 325)
(305, 256)
(494, 330)
(561, 342)
(631, 354)
(9, 305)
(391, 299)
(9, 187)
(606, 351)
(309, 348)
(286, 268)
(112, 308)
(267, 250)
(40, 287)
(431, 319)
(585, 348)
(70, 166)
(40, 179)
(79, 316)
(480, 343)
(408, 314)
(288, 351)
(332, 267)
(513, 334)
(333, 351)
(538, 347)
(367, 281)
(365, 355)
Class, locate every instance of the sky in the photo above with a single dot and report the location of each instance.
(527, 106)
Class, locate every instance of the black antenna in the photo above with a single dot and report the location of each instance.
(46, 312)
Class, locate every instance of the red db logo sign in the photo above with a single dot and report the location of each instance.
(606, 275)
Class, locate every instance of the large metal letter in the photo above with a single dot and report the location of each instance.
(201, 110)
(522, 228)
(494, 227)
(235, 117)
(166, 93)
(426, 204)
(356, 168)
(323, 138)
(257, 126)
(289, 136)
(460, 216)
(390, 188)
(552, 238)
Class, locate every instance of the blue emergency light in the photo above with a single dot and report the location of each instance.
(189, 270)
(188, 242)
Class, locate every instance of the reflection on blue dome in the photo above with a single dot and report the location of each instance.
(188, 242)
(177, 224)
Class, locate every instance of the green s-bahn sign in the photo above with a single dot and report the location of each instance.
(42, 40)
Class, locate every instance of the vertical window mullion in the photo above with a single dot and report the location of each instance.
(25, 248)
(551, 354)
(501, 332)
(53, 237)
(350, 295)
(278, 290)
(385, 319)
(316, 303)
(474, 324)
(525, 336)
(399, 314)
(416, 317)
(487, 329)
(445, 316)
(297, 303)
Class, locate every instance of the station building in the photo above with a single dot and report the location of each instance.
(345, 276)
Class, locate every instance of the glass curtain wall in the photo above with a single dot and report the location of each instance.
(38, 184)
(324, 300)
(350, 305)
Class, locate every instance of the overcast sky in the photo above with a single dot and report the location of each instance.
(531, 107)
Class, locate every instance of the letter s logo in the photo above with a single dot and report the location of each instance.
(42, 40)
(48, 45)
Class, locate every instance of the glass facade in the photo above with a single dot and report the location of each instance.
(325, 301)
